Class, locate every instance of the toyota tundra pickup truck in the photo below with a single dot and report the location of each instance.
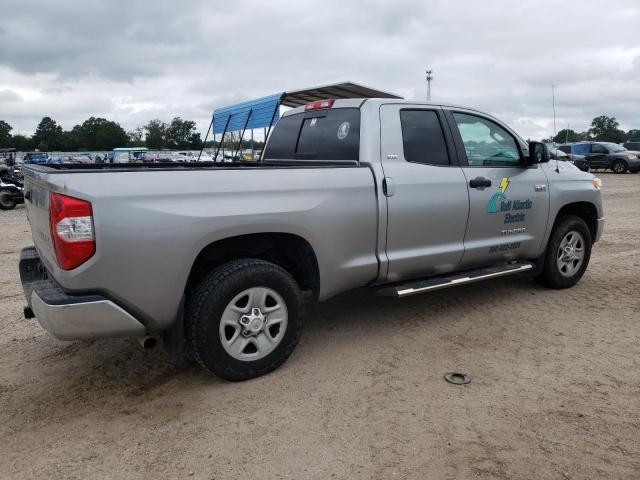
(402, 197)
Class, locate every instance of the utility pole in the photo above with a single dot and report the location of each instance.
(429, 78)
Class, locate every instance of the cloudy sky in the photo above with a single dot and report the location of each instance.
(134, 60)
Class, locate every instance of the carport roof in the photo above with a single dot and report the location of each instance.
(264, 112)
(297, 98)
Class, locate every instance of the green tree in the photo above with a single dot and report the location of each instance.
(48, 135)
(633, 135)
(155, 134)
(22, 143)
(98, 134)
(181, 134)
(136, 137)
(604, 128)
(565, 135)
(5, 134)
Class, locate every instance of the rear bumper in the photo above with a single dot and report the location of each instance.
(71, 317)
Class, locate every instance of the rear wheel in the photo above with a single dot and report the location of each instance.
(619, 166)
(244, 319)
(568, 253)
(6, 201)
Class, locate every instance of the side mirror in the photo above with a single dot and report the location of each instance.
(538, 153)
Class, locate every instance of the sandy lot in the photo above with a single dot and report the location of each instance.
(555, 391)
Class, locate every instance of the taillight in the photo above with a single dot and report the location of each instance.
(319, 105)
(71, 221)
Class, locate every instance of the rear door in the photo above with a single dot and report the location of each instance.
(508, 203)
(598, 156)
(426, 192)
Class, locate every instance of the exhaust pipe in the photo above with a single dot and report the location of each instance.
(147, 342)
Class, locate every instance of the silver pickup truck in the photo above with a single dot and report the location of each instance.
(399, 196)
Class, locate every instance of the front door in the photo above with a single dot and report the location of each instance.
(426, 192)
(508, 203)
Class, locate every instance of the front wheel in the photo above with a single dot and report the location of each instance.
(619, 166)
(568, 253)
(244, 319)
(6, 201)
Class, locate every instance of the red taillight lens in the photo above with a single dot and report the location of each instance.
(71, 221)
(319, 105)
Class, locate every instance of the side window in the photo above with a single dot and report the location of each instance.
(486, 143)
(422, 137)
(597, 148)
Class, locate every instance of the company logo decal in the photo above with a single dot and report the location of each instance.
(493, 206)
(513, 209)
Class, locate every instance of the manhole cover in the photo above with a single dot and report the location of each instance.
(457, 378)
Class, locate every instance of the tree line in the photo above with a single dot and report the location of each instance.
(603, 129)
(100, 134)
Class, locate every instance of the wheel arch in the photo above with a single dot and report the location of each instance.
(291, 252)
(586, 211)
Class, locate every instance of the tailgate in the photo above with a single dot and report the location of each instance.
(36, 201)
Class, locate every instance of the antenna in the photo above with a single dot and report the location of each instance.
(429, 74)
(553, 103)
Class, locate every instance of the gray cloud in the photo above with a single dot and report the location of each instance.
(135, 60)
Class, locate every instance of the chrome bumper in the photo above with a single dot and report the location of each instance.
(72, 317)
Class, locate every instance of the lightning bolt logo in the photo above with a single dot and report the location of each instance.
(494, 202)
(504, 183)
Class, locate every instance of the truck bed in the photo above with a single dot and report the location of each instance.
(151, 221)
(136, 167)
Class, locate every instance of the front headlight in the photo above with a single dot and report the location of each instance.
(597, 183)
(632, 156)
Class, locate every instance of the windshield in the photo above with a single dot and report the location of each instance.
(614, 147)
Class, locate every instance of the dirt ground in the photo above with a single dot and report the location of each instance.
(555, 390)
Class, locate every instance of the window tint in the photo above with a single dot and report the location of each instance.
(332, 134)
(486, 143)
(422, 137)
(597, 148)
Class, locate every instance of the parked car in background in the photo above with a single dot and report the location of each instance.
(84, 159)
(171, 157)
(633, 146)
(34, 158)
(605, 156)
(578, 160)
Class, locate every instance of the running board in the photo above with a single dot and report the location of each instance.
(452, 280)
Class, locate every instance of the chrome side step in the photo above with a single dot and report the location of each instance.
(452, 280)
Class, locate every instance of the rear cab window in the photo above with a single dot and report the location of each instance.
(328, 134)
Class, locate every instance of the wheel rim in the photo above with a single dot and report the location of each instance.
(253, 323)
(570, 254)
(619, 167)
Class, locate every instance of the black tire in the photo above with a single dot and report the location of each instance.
(209, 300)
(6, 201)
(619, 166)
(551, 275)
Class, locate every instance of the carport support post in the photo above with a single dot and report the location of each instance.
(207, 136)
(222, 139)
(242, 134)
(266, 135)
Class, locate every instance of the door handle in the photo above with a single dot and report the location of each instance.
(479, 182)
(387, 187)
